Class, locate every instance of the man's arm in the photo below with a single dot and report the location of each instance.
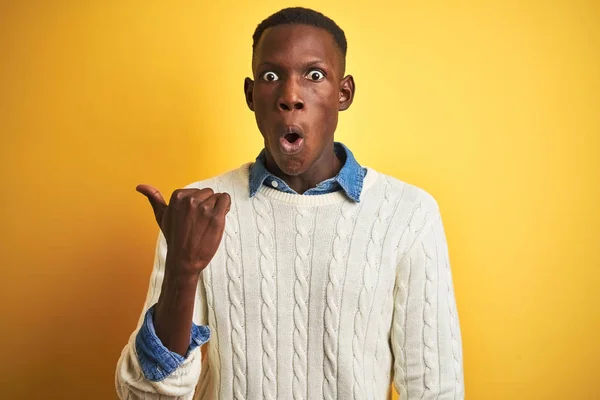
(156, 360)
(147, 368)
(162, 359)
(426, 339)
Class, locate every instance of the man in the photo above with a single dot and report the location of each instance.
(313, 277)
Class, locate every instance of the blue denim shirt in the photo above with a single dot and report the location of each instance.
(156, 360)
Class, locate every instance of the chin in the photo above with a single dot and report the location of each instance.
(291, 166)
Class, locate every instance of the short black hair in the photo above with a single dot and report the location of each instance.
(304, 16)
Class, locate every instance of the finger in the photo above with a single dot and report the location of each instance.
(156, 200)
(223, 204)
(203, 194)
(199, 195)
(209, 204)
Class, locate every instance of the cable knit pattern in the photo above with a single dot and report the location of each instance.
(399, 330)
(236, 307)
(429, 315)
(323, 287)
(400, 297)
(401, 294)
(213, 348)
(370, 273)
(333, 294)
(380, 382)
(301, 292)
(267, 286)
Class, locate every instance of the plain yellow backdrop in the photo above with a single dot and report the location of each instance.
(493, 107)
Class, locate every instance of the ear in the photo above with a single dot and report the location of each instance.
(248, 92)
(347, 90)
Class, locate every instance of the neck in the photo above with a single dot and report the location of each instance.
(327, 166)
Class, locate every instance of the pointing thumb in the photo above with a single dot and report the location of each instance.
(156, 201)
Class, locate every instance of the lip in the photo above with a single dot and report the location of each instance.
(292, 129)
(288, 148)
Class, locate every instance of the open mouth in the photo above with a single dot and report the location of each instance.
(292, 137)
(292, 141)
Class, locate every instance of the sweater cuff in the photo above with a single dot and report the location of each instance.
(158, 362)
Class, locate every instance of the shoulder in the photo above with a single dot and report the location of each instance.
(410, 196)
(416, 211)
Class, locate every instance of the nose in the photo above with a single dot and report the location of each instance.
(290, 98)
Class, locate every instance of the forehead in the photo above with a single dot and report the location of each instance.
(291, 43)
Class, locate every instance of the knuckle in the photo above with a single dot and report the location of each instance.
(179, 194)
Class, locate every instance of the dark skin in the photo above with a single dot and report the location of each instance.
(304, 93)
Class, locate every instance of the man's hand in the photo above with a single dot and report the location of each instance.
(193, 225)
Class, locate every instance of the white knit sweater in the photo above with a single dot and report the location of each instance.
(318, 297)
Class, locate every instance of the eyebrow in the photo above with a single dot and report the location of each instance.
(304, 66)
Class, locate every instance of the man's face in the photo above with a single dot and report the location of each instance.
(297, 92)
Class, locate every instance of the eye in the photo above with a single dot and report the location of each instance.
(270, 76)
(315, 75)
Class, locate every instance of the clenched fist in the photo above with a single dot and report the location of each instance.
(192, 223)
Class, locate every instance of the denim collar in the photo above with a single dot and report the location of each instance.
(349, 179)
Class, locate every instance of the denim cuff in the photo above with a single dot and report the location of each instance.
(156, 360)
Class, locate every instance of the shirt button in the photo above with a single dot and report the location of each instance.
(274, 184)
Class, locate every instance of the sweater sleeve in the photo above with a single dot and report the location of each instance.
(426, 339)
(130, 380)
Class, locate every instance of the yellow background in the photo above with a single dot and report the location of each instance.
(491, 106)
